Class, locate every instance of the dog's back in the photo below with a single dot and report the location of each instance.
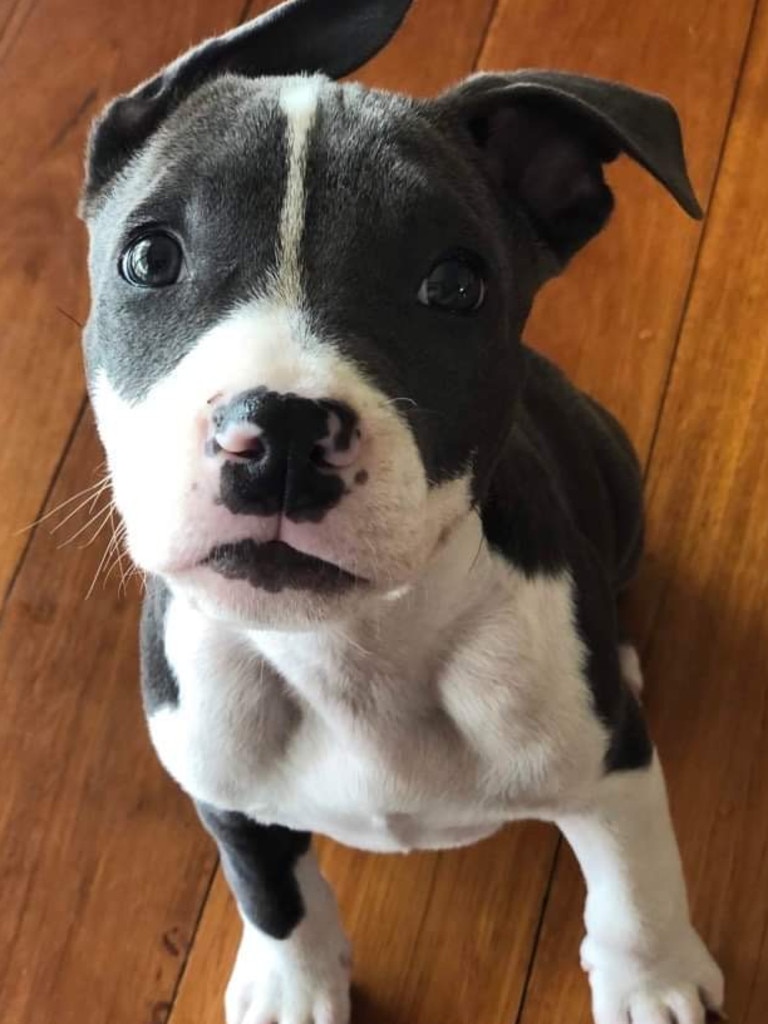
(567, 463)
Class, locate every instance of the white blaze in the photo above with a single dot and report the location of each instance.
(298, 100)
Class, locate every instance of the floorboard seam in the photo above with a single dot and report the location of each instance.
(7, 41)
(702, 238)
(486, 33)
(539, 928)
(644, 647)
(41, 510)
(191, 944)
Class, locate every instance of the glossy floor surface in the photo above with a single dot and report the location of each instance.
(112, 908)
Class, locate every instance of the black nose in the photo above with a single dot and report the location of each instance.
(281, 453)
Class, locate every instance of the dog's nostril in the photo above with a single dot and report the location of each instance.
(317, 455)
(242, 439)
(342, 446)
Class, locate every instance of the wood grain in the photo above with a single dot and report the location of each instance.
(612, 320)
(700, 608)
(103, 865)
(60, 60)
(437, 937)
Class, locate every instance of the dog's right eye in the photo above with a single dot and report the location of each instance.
(455, 284)
(153, 260)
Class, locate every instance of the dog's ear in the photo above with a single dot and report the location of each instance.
(544, 137)
(330, 36)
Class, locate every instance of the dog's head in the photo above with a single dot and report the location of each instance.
(303, 349)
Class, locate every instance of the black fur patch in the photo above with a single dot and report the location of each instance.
(553, 474)
(158, 684)
(275, 566)
(286, 474)
(567, 496)
(258, 862)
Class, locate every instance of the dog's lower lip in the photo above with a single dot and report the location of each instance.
(274, 565)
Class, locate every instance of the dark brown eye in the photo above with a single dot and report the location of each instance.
(152, 261)
(455, 284)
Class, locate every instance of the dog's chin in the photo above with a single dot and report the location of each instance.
(270, 585)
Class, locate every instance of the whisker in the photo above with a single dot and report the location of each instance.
(477, 553)
(101, 484)
(96, 575)
(104, 522)
(113, 547)
(101, 517)
(129, 574)
(394, 401)
(110, 547)
(90, 499)
(69, 317)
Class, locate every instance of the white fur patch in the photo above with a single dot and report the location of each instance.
(302, 979)
(425, 719)
(645, 962)
(631, 670)
(167, 488)
(298, 100)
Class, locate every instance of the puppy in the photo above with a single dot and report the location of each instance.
(383, 539)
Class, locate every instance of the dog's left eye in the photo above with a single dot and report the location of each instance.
(455, 284)
(152, 261)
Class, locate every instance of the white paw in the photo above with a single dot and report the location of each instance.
(303, 979)
(280, 983)
(677, 987)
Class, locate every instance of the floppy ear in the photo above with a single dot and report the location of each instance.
(545, 135)
(330, 36)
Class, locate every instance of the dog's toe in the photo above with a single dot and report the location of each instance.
(289, 983)
(679, 986)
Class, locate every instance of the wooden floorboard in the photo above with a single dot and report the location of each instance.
(700, 605)
(59, 61)
(104, 869)
(612, 319)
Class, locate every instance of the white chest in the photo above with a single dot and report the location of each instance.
(428, 724)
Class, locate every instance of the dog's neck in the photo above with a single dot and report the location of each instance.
(404, 635)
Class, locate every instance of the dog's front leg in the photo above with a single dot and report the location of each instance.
(293, 965)
(646, 963)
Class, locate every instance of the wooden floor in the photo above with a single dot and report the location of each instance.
(111, 905)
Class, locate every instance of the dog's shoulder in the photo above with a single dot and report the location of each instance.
(566, 499)
(568, 475)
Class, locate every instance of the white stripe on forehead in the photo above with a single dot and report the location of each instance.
(298, 99)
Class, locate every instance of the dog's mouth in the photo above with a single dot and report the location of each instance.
(274, 566)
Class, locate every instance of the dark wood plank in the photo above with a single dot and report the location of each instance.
(700, 606)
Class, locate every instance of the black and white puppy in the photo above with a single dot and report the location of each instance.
(384, 540)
